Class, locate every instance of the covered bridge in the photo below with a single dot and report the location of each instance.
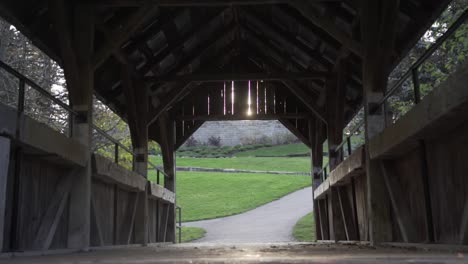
(167, 66)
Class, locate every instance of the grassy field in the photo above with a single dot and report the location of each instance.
(301, 164)
(190, 233)
(304, 230)
(211, 195)
(278, 151)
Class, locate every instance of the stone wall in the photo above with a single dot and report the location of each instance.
(243, 132)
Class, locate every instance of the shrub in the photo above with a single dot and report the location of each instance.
(214, 141)
(192, 142)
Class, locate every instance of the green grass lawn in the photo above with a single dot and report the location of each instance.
(280, 150)
(298, 164)
(210, 195)
(190, 233)
(304, 230)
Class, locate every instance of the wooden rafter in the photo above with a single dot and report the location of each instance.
(122, 34)
(129, 3)
(180, 141)
(293, 129)
(217, 77)
(305, 99)
(244, 117)
(199, 27)
(325, 23)
(284, 37)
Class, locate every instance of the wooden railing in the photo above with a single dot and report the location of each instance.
(413, 72)
(23, 81)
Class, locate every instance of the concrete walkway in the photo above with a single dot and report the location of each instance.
(272, 222)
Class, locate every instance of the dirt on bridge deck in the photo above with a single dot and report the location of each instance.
(256, 253)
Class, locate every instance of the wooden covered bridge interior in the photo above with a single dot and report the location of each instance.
(168, 66)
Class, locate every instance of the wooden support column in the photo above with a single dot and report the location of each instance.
(378, 19)
(5, 150)
(316, 138)
(167, 143)
(76, 43)
(464, 225)
(335, 97)
(137, 101)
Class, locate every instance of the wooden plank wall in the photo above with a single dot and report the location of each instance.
(111, 222)
(448, 180)
(361, 206)
(38, 179)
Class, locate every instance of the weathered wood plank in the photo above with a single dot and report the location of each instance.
(110, 172)
(464, 225)
(4, 169)
(354, 164)
(400, 208)
(322, 189)
(159, 192)
(95, 221)
(54, 212)
(41, 137)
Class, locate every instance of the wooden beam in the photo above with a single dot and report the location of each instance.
(170, 99)
(200, 26)
(180, 90)
(132, 219)
(284, 38)
(219, 77)
(335, 102)
(5, 149)
(96, 222)
(181, 141)
(123, 33)
(132, 3)
(295, 131)
(464, 225)
(325, 23)
(245, 117)
(305, 99)
(67, 52)
(401, 210)
(378, 28)
(54, 212)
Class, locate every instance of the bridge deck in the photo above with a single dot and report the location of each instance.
(254, 253)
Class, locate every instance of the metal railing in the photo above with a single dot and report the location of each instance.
(413, 72)
(179, 224)
(23, 81)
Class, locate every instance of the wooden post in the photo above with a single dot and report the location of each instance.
(76, 44)
(5, 149)
(167, 143)
(315, 132)
(378, 19)
(136, 97)
(335, 97)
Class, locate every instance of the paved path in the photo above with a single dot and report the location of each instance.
(272, 222)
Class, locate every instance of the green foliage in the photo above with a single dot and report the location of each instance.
(304, 230)
(278, 151)
(190, 233)
(210, 195)
(204, 151)
(444, 61)
(297, 164)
